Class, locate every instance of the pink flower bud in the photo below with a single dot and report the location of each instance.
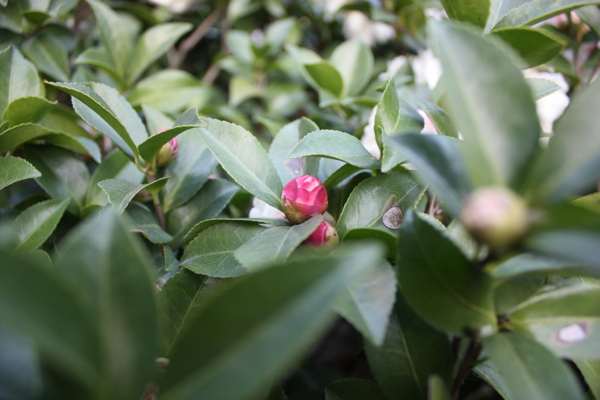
(167, 153)
(325, 236)
(302, 198)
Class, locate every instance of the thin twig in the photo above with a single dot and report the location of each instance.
(466, 365)
(189, 43)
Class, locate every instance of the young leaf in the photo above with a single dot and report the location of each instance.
(18, 78)
(367, 302)
(120, 192)
(526, 370)
(354, 389)
(497, 150)
(273, 316)
(283, 143)
(387, 116)
(242, 156)
(212, 251)
(412, 351)
(375, 196)
(442, 286)
(564, 320)
(274, 245)
(111, 267)
(337, 145)
(13, 169)
(150, 147)
(34, 225)
(473, 11)
(354, 61)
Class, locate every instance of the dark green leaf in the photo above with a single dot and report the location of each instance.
(120, 191)
(201, 226)
(388, 239)
(387, 116)
(530, 12)
(354, 389)
(437, 389)
(412, 351)
(537, 264)
(535, 46)
(443, 286)
(20, 372)
(440, 119)
(49, 56)
(337, 145)
(512, 292)
(497, 149)
(145, 222)
(473, 11)
(212, 251)
(591, 372)
(151, 146)
(242, 156)
(34, 225)
(13, 169)
(375, 196)
(100, 58)
(26, 109)
(18, 78)
(273, 317)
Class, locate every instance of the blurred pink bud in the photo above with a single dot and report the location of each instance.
(325, 236)
(302, 198)
(168, 152)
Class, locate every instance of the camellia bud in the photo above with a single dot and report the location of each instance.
(496, 216)
(302, 198)
(325, 236)
(167, 153)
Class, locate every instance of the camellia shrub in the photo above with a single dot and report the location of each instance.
(262, 200)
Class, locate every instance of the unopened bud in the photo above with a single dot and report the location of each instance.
(167, 153)
(495, 216)
(325, 236)
(302, 198)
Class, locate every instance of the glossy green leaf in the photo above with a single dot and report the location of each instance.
(526, 370)
(410, 122)
(145, 222)
(564, 320)
(537, 264)
(113, 35)
(111, 267)
(542, 87)
(18, 78)
(34, 225)
(38, 303)
(373, 197)
(412, 351)
(368, 301)
(152, 44)
(177, 299)
(283, 143)
(206, 204)
(244, 159)
(100, 58)
(385, 237)
(535, 46)
(497, 149)
(212, 251)
(26, 109)
(120, 191)
(337, 145)
(473, 11)
(49, 56)
(531, 12)
(151, 146)
(354, 61)
(156, 120)
(116, 165)
(273, 317)
(203, 225)
(443, 286)
(63, 174)
(13, 169)
(512, 292)
(354, 389)
(591, 372)
(571, 162)
(440, 119)
(274, 245)
(326, 77)
(387, 116)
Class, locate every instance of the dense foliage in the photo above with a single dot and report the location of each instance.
(145, 149)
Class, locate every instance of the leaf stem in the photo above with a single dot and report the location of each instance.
(466, 365)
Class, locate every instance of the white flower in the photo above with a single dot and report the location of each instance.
(358, 25)
(260, 209)
(331, 6)
(428, 126)
(551, 107)
(427, 69)
(393, 66)
(368, 138)
(175, 6)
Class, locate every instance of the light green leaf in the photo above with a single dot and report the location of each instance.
(565, 320)
(100, 58)
(531, 12)
(373, 197)
(387, 116)
(34, 225)
(497, 149)
(440, 119)
(212, 251)
(206, 204)
(244, 159)
(203, 225)
(443, 286)
(111, 267)
(283, 143)
(437, 389)
(152, 44)
(412, 351)
(18, 78)
(145, 222)
(354, 389)
(354, 61)
(151, 146)
(542, 87)
(591, 16)
(273, 317)
(337, 145)
(591, 372)
(535, 46)
(49, 56)
(326, 78)
(368, 301)
(120, 192)
(537, 264)
(26, 109)
(156, 120)
(13, 169)
(525, 370)
(274, 245)
(473, 11)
